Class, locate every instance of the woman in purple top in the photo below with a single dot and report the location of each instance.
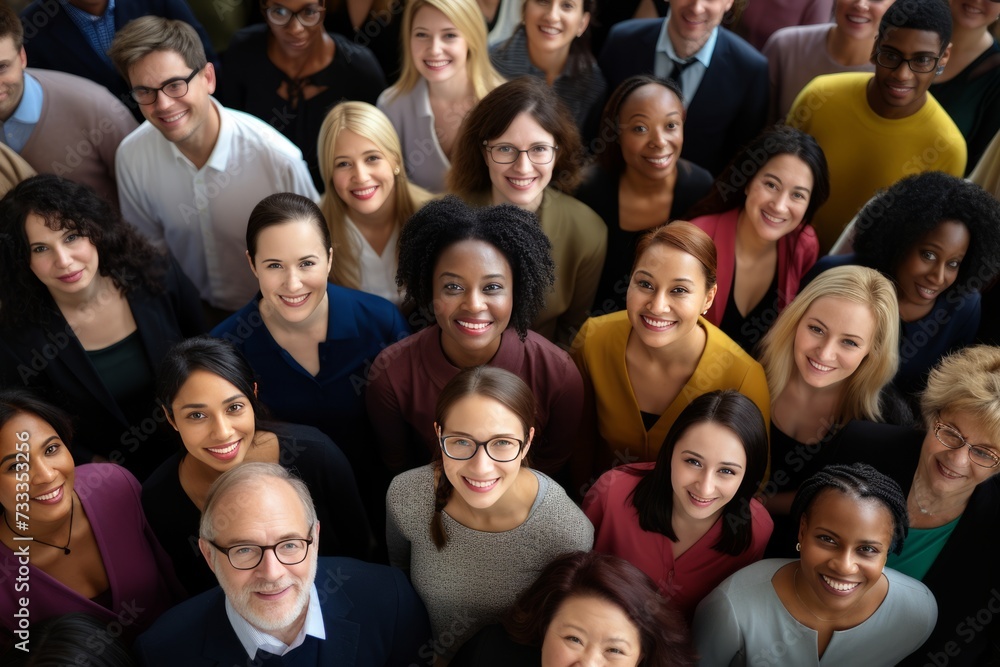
(76, 536)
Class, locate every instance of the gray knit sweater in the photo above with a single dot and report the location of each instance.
(478, 575)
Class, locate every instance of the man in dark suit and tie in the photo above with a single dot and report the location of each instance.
(724, 79)
(278, 602)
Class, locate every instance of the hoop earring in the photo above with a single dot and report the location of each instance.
(798, 546)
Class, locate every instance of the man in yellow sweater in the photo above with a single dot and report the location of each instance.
(876, 129)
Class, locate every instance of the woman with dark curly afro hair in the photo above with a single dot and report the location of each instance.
(89, 309)
(937, 238)
(481, 275)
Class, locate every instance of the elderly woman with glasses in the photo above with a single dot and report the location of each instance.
(949, 476)
(474, 528)
(289, 71)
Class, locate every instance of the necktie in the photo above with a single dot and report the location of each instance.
(679, 67)
(265, 659)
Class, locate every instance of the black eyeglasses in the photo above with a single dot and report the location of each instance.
(950, 437)
(918, 64)
(172, 88)
(463, 448)
(507, 154)
(282, 16)
(249, 556)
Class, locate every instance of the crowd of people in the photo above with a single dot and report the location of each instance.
(710, 283)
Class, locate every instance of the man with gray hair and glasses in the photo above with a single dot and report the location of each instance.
(279, 603)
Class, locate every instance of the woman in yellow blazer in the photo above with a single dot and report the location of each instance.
(641, 367)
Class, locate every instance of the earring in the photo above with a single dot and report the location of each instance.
(940, 70)
(396, 171)
(704, 311)
(798, 546)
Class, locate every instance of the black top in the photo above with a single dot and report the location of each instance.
(963, 578)
(302, 450)
(493, 647)
(599, 191)
(48, 358)
(250, 82)
(750, 329)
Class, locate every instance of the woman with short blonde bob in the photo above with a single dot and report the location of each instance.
(446, 71)
(828, 358)
(367, 198)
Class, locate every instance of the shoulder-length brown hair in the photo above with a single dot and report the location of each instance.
(469, 175)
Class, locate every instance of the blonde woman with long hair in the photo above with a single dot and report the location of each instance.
(828, 359)
(446, 71)
(367, 198)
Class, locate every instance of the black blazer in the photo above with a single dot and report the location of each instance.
(372, 617)
(49, 359)
(53, 41)
(964, 578)
(730, 107)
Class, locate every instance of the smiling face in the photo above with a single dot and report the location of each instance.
(214, 419)
(832, 339)
(588, 630)
(948, 472)
(901, 92)
(473, 300)
(364, 177)
(692, 22)
(777, 197)
(181, 120)
(50, 471)
(552, 25)
(273, 597)
(292, 266)
(521, 182)
(294, 39)
(12, 64)
(930, 267)
(62, 260)
(845, 542)
(860, 19)
(974, 14)
(706, 469)
(480, 482)
(651, 123)
(666, 295)
(438, 49)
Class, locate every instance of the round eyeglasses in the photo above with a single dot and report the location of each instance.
(172, 88)
(307, 16)
(949, 436)
(463, 448)
(249, 556)
(918, 64)
(507, 154)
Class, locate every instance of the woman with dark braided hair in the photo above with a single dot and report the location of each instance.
(89, 309)
(837, 604)
(482, 275)
(493, 523)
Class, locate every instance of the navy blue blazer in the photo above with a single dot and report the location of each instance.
(730, 107)
(53, 41)
(372, 616)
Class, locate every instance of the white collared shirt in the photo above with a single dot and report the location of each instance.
(692, 76)
(378, 272)
(253, 639)
(201, 214)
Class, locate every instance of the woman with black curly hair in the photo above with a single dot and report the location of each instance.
(937, 238)
(89, 309)
(482, 275)
(516, 143)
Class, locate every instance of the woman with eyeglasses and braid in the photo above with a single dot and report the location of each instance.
(474, 528)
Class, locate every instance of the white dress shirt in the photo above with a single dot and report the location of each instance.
(253, 639)
(201, 214)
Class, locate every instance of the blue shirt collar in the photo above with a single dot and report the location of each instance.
(29, 110)
(76, 11)
(703, 55)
